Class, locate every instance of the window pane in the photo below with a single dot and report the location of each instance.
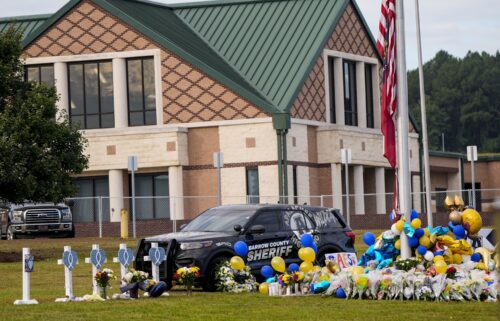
(91, 89)
(269, 220)
(332, 89)
(149, 84)
(106, 83)
(161, 201)
(78, 121)
(369, 96)
(151, 117)
(76, 89)
(253, 185)
(134, 84)
(102, 189)
(92, 121)
(108, 121)
(83, 210)
(144, 206)
(47, 75)
(33, 74)
(136, 118)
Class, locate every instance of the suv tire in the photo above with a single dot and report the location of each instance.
(10, 235)
(209, 282)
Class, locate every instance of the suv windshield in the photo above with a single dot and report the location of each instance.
(219, 220)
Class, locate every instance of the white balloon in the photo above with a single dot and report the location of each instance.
(429, 255)
(395, 230)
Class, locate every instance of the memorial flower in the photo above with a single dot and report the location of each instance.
(186, 276)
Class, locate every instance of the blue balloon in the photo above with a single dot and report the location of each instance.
(437, 253)
(307, 240)
(419, 233)
(421, 250)
(369, 238)
(340, 293)
(267, 271)
(315, 248)
(294, 267)
(414, 214)
(413, 242)
(459, 231)
(241, 248)
(476, 257)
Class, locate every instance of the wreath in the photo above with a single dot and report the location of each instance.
(235, 281)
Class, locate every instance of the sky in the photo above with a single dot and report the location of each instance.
(457, 26)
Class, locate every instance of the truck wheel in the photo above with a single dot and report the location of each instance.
(10, 233)
(209, 282)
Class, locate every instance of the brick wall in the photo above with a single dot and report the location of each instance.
(143, 228)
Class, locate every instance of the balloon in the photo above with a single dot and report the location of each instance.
(457, 258)
(476, 257)
(414, 215)
(472, 221)
(440, 267)
(307, 254)
(315, 248)
(400, 224)
(419, 233)
(358, 270)
(340, 293)
(306, 266)
(456, 217)
(294, 267)
(397, 245)
(416, 223)
(438, 258)
(241, 248)
(422, 250)
(424, 241)
(307, 240)
(369, 238)
(413, 242)
(426, 231)
(316, 268)
(429, 256)
(459, 232)
(485, 254)
(264, 288)
(266, 271)
(237, 263)
(278, 264)
(394, 229)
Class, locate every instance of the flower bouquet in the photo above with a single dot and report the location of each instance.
(186, 276)
(134, 281)
(236, 281)
(102, 279)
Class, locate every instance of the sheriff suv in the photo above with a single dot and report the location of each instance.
(268, 230)
(31, 219)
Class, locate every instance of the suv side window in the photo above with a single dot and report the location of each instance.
(268, 219)
(296, 221)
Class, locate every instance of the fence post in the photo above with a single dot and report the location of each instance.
(469, 192)
(321, 200)
(100, 215)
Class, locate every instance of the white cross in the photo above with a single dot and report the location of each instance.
(123, 268)
(68, 275)
(94, 270)
(155, 271)
(26, 281)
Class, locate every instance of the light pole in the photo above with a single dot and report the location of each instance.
(346, 158)
(472, 157)
(132, 167)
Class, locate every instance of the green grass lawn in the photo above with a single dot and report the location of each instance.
(47, 284)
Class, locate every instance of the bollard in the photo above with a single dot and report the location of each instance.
(124, 223)
(28, 265)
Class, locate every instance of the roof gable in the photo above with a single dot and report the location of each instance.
(25, 24)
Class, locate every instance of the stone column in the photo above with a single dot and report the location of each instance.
(61, 83)
(176, 191)
(338, 82)
(361, 93)
(359, 190)
(380, 189)
(337, 186)
(120, 92)
(115, 194)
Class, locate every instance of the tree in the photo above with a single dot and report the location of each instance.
(38, 154)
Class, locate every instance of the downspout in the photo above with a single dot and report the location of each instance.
(280, 164)
(285, 168)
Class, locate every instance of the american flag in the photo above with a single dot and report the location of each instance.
(386, 45)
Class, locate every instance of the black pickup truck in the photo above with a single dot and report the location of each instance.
(31, 219)
(268, 230)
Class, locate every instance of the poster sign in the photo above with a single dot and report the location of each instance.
(344, 259)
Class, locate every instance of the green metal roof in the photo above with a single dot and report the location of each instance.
(26, 24)
(272, 43)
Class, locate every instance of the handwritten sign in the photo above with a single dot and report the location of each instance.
(344, 259)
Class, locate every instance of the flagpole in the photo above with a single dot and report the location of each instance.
(402, 127)
(427, 174)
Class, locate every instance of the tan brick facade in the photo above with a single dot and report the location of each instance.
(188, 94)
(349, 36)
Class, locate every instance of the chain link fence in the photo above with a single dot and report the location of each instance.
(101, 216)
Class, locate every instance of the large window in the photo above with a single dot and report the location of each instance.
(141, 92)
(252, 185)
(350, 108)
(89, 189)
(40, 74)
(91, 94)
(370, 123)
(152, 200)
(331, 90)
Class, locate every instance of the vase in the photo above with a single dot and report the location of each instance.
(134, 293)
(103, 293)
(296, 289)
(189, 290)
(288, 290)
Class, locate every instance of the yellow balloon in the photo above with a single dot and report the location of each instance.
(397, 245)
(237, 263)
(306, 266)
(424, 241)
(438, 258)
(472, 221)
(416, 223)
(302, 250)
(308, 254)
(440, 266)
(358, 270)
(278, 264)
(457, 259)
(316, 268)
(264, 288)
(426, 232)
(400, 224)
